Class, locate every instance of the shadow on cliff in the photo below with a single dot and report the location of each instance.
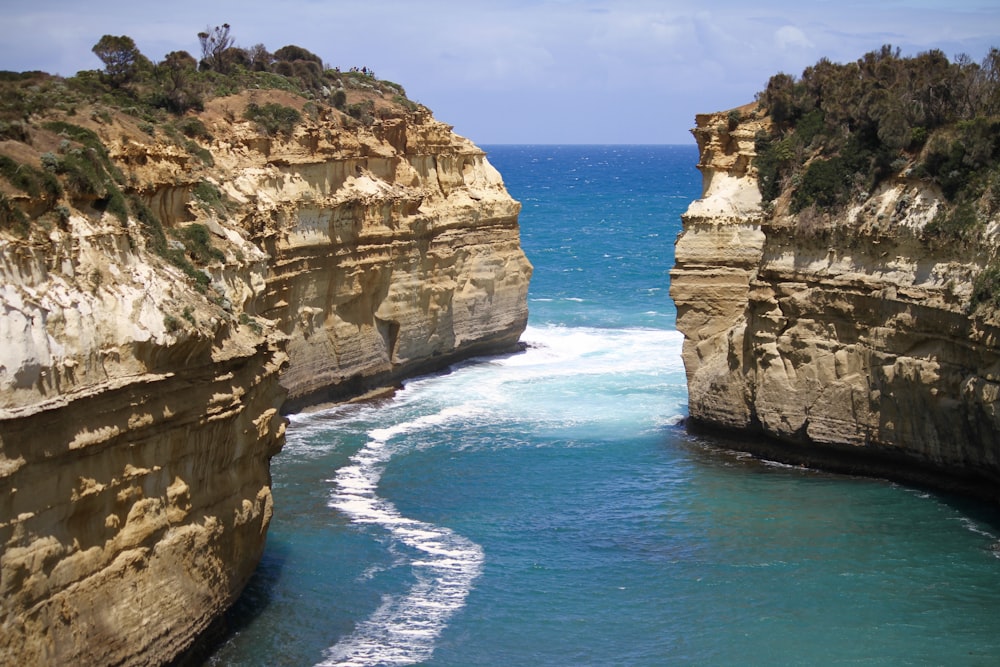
(256, 597)
(259, 590)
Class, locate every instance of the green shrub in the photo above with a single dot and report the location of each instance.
(177, 257)
(362, 111)
(955, 224)
(84, 175)
(809, 127)
(409, 105)
(773, 161)
(151, 226)
(391, 88)
(986, 286)
(248, 321)
(202, 154)
(114, 203)
(273, 118)
(11, 217)
(210, 199)
(13, 130)
(198, 242)
(918, 137)
(961, 161)
(30, 180)
(193, 128)
(943, 162)
(292, 53)
(824, 184)
(95, 150)
(265, 80)
(78, 134)
(357, 79)
(172, 323)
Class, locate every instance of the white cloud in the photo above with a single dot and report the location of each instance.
(789, 37)
(528, 70)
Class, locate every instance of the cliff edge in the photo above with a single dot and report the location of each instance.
(173, 282)
(860, 331)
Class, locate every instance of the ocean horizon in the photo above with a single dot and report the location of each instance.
(549, 507)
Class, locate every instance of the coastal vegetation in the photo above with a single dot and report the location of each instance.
(841, 130)
(53, 159)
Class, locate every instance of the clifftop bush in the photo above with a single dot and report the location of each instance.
(273, 118)
(180, 83)
(842, 129)
(52, 160)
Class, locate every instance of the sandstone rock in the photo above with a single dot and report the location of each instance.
(851, 343)
(139, 413)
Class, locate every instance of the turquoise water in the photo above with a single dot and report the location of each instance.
(549, 508)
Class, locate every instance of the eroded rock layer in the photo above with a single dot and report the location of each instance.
(141, 398)
(134, 483)
(397, 257)
(850, 341)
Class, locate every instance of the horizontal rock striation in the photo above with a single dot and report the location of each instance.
(134, 481)
(394, 256)
(847, 342)
(141, 398)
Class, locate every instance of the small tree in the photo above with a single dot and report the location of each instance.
(214, 44)
(260, 58)
(120, 56)
(179, 84)
(778, 98)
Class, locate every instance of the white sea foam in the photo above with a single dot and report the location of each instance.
(404, 628)
(586, 350)
(974, 527)
(541, 387)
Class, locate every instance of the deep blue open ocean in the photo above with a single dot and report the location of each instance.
(549, 507)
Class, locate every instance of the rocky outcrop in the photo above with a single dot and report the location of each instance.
(141, 398)
(848, 341)
(137, 424)
(392, 254)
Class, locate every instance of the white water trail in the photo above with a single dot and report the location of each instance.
(541, 387)
(404, 629)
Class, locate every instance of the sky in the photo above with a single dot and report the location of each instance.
(527, 71)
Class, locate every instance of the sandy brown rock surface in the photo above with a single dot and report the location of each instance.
(140, 407)
(848, 341)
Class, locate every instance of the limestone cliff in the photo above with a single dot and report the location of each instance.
(156, 317)
(847, 340)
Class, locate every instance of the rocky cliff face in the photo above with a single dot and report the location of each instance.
(393, 251)
(848, 341)
(141, 399)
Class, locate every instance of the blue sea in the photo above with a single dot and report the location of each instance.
(550, 508)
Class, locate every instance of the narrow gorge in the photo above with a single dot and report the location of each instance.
(859, 334)
(169, 290)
